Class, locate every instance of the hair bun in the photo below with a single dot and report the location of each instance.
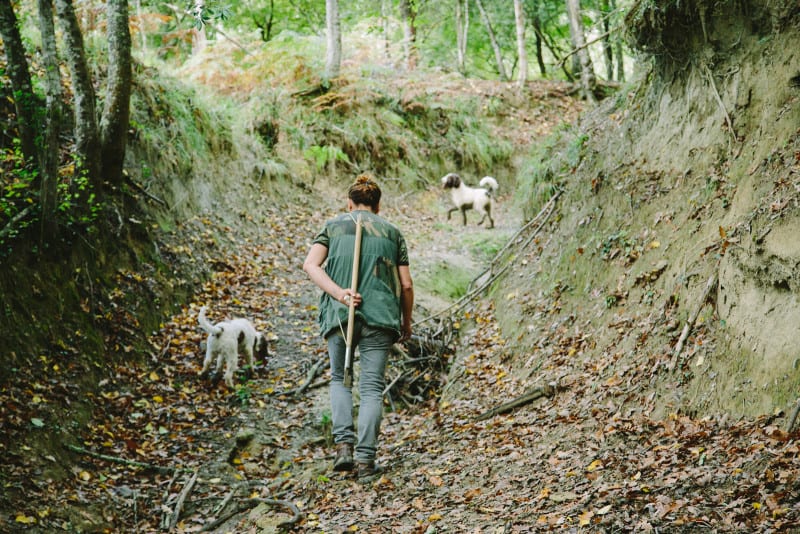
(365, 190)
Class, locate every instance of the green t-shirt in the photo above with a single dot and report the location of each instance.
(383, 249)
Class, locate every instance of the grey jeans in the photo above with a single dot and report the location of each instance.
(373, 347)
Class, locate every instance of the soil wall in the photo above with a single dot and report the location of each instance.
(694, 175)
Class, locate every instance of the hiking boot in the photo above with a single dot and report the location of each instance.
(344, 457)
(366, 470)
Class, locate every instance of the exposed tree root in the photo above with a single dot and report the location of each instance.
(710, 284)
(248, 504)
(123, 461)
(172, 517)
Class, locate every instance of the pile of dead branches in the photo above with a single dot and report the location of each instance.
(416, 369)
(419, 366)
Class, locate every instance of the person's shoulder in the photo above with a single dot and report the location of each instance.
(338, 220)
(340, 217)
(389, 225)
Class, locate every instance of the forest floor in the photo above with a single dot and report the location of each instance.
(166, 450)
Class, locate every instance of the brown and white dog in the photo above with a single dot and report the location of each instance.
(226, 341)
(465, 197)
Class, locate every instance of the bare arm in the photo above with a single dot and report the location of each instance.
(313, 267)
(406, 300)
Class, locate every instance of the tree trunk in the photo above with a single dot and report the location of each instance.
(552, 47)
(618, 51)
(200, 31)
(537, 30)
(270, 21)
(20, 77)
(116, 113)
(265, 26)
(608, 51)
(498, 55)
(333, 55)
(587, 77)
(408, 12)
(462, 29)
(87, 145)
(48, 161)
(142, 33)
(385, 10)
(522, 53)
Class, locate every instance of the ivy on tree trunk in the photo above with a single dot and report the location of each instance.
(48, 161)
(116, 114)
(87, 145)
(19, 75)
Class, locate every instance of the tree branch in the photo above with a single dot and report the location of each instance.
(123, 461)
(14, 220)
(312, 374)
(176, 513)
(464, 300)
(587, 44)
(793, 417)
(144, 191)
(535, 393)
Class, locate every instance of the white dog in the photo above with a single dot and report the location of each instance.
(465, 197)
(228, 339)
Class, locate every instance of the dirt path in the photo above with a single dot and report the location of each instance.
(569, 461)
(256, 440)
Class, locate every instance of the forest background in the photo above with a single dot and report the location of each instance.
(147, 146)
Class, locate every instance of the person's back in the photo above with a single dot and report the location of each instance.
(383, 304)
(382, 250)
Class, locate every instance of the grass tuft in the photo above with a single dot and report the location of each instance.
(546, 167)
(446, 280)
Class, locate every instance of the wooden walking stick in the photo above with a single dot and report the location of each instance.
(351, 314)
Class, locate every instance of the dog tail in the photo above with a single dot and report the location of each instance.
(207, 326)
(489, 183)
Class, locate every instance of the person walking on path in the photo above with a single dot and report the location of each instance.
(383, 301)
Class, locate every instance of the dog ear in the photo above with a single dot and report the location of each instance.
(261, 347)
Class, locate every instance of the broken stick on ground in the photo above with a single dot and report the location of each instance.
(533, 394)
(176, 512)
